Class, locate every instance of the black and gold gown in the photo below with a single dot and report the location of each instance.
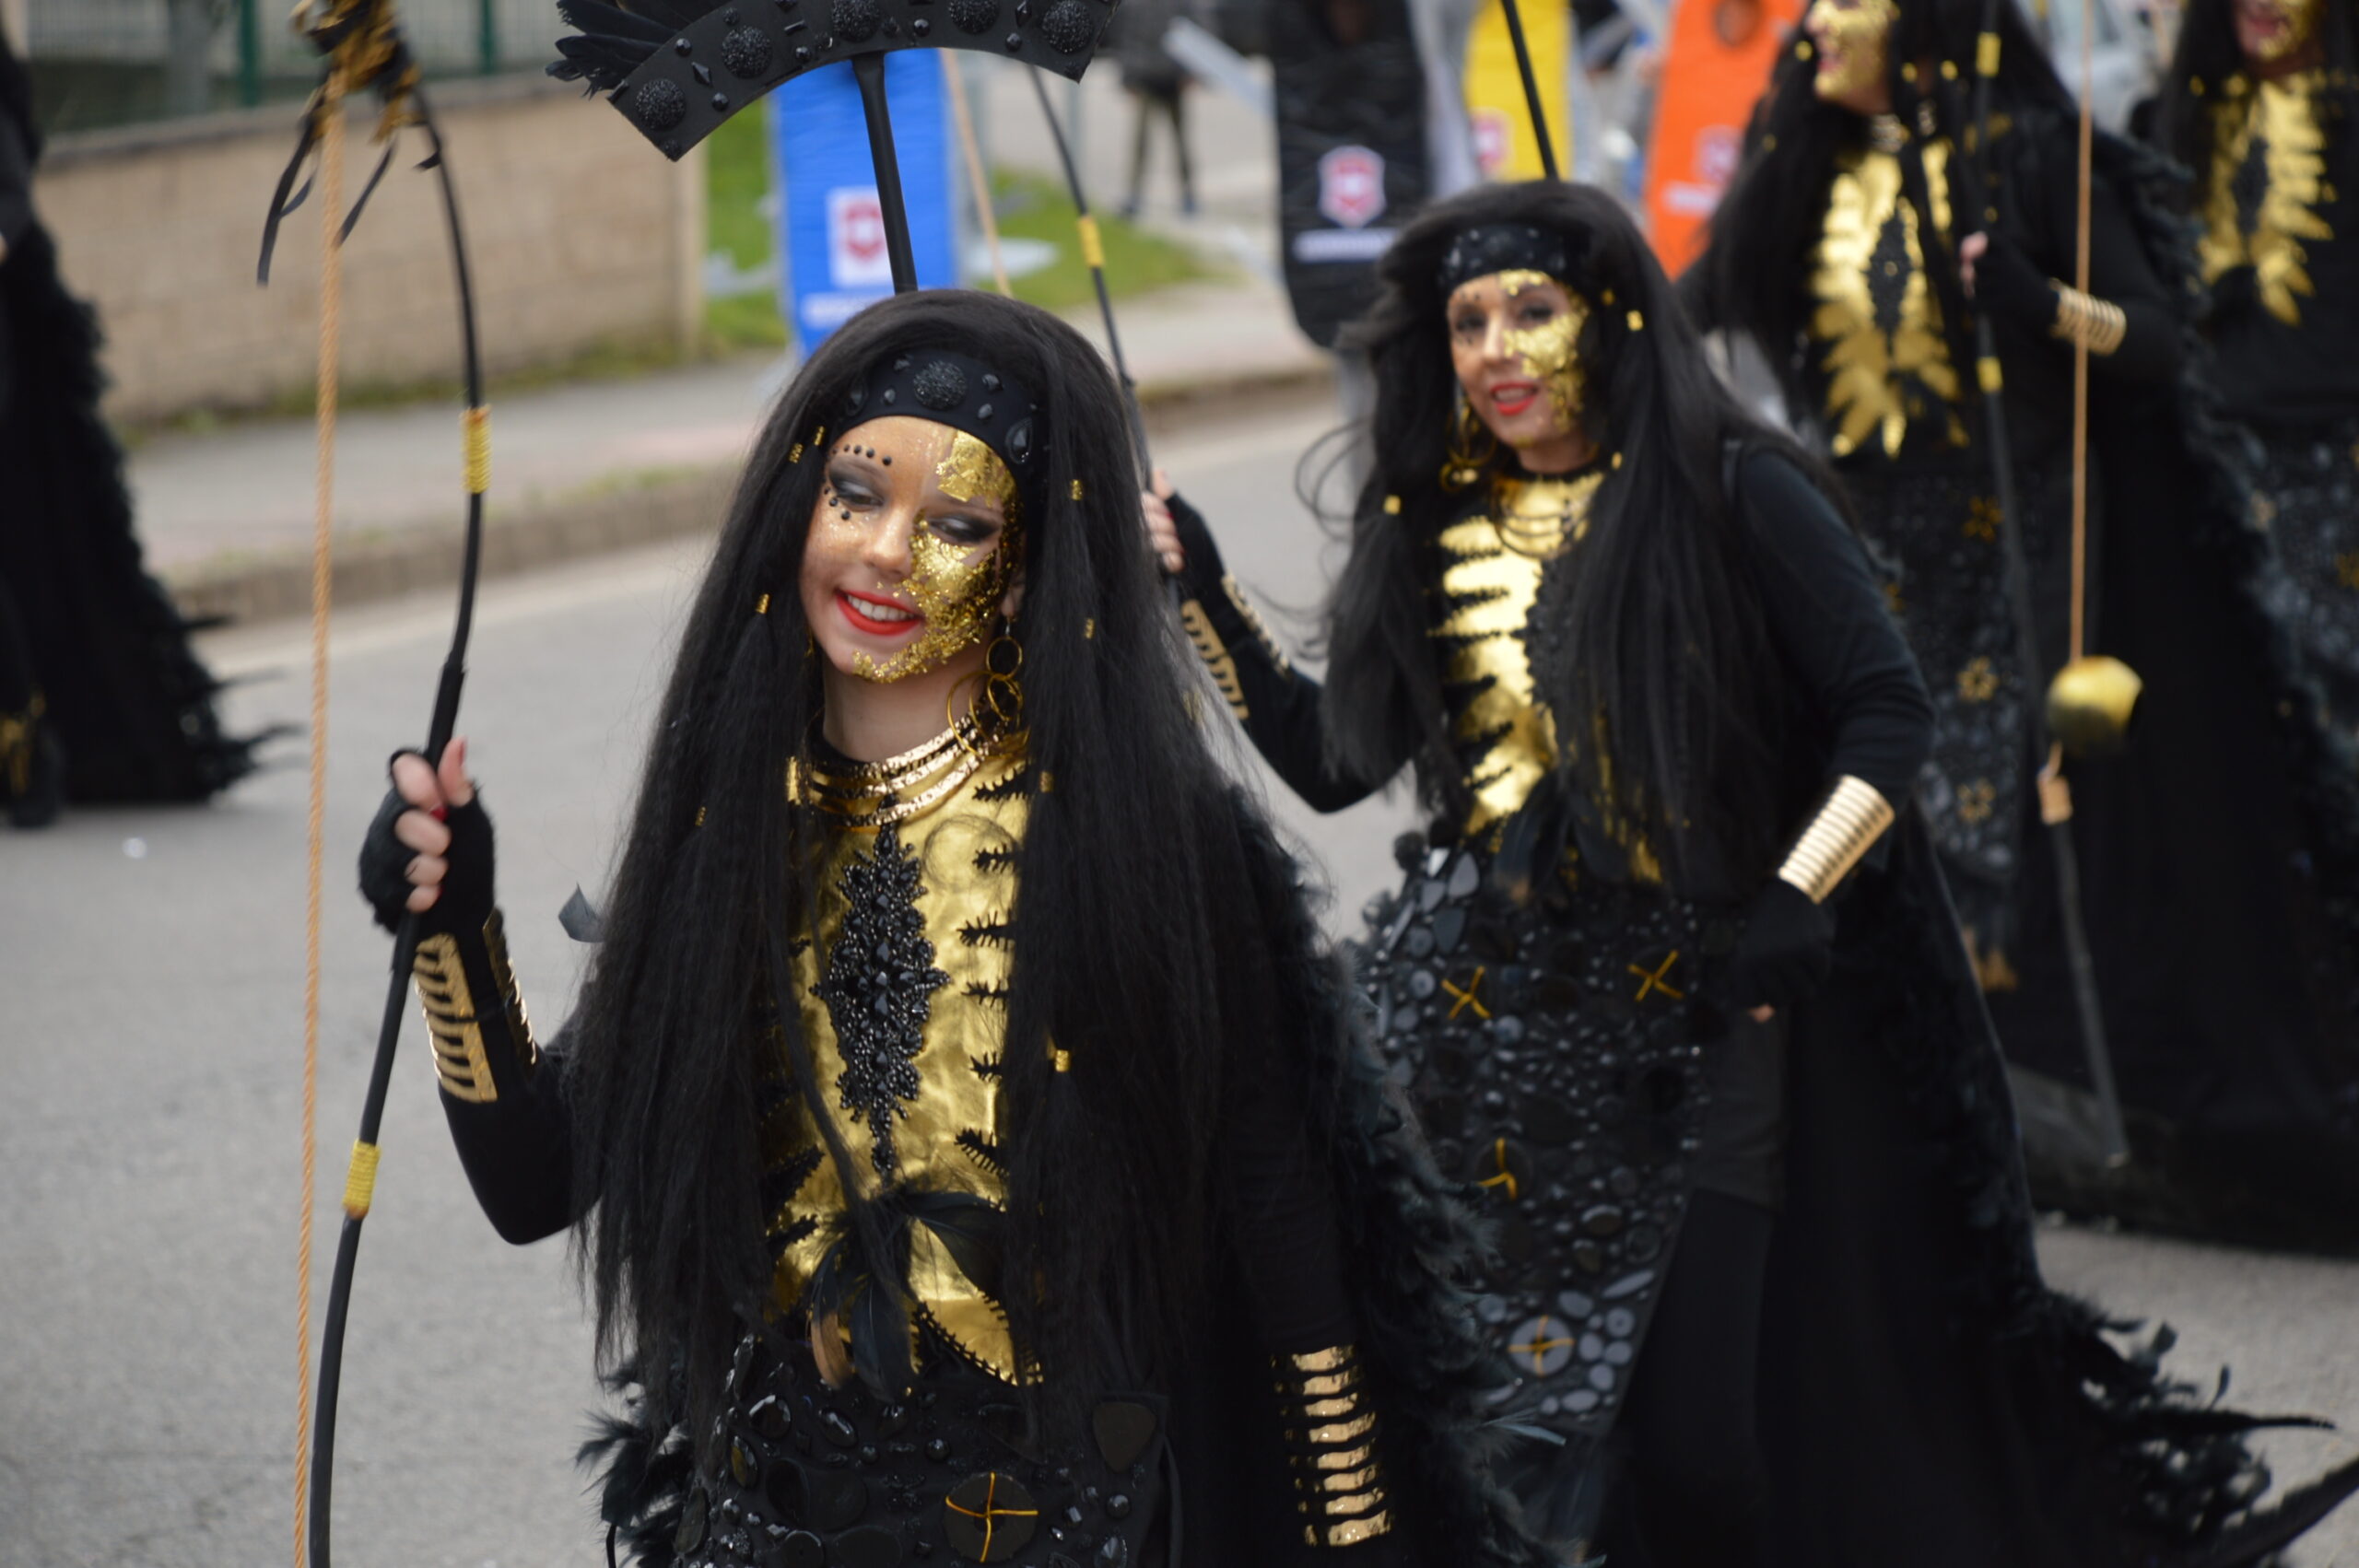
(1311, 1426)
(2280, 202)
(1572, 1064)
(2219, 854)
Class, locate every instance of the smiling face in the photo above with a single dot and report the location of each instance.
(1853, 39)
(1514, 340)
(2278, 35)
(912, 551)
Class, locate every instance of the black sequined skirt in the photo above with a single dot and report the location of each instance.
(1556, 1053)
(813, 1476)
(1933, 531)
(2308, 501)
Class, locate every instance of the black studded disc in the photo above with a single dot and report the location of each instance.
(747, 52)
(659, 104)
(974, 17)
(941, 385)
(1070, 26)
(857, 20)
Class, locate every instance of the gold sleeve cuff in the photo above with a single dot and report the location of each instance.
(1846, 827)
(454, 1027)
(1253, 618)
(1330, 1447)
(2097, 325)
(1216, 655)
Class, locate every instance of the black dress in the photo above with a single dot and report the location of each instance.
(1573, 1064)
(101, 697)
(1323, 1410)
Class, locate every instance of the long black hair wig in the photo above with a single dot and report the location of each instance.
(1131, 856)
(1650, 631)
(1751, 275)
(2208, 55)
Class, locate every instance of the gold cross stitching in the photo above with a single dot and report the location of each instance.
(1652, 979)
(1540, 1345)
(992, 1512)
(1505, 1177)
(1468, 997)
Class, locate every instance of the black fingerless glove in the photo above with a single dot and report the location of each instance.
(2007, 286)
(1202, 572)
(1786, 951)
(466, 899)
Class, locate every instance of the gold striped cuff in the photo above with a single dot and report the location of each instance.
(1846, 827)
(1330, 1437)
(1216, 655)
(2097, 325)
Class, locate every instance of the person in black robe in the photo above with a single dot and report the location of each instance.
(101, 697)
(1673, 978)
(960, 1124)
(2218, 849)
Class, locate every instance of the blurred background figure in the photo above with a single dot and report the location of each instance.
(1158, 87)
(100, 698)
(2263, 105)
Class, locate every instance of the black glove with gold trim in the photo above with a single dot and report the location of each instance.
(2008, 286)
(467, 898)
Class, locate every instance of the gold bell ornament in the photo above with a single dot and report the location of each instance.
(2090, 704)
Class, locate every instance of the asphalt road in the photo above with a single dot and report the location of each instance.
(151, 967)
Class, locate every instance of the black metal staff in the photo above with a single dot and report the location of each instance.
(2055, 794)
(1531, 88)
(1093, 256)
(364, 49)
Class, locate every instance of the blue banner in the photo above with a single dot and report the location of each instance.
(832, 232)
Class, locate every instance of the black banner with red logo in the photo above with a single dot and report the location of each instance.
(1351, 110)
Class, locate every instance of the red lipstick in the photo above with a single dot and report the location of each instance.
(850, 603)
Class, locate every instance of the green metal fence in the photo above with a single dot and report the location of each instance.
(112, 62)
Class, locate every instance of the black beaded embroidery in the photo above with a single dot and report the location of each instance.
(2307, 499)
(879, 987)
(1556, 1054)
(809, 1477)
(1934, 533)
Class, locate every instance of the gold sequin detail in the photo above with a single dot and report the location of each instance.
(1882, 371)
(2282, 116)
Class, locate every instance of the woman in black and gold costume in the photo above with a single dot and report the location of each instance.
(1671, 976)
(2264, 101)
(959, 1123)
(2220, 852)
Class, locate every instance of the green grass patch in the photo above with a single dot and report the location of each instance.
(1030, 206)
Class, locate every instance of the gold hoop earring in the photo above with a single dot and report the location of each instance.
(1003, 693)
(1461, 464)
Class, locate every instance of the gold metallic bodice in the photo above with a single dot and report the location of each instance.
(1490, 579)
(1875, 318)
(2266, 183)
(944, 1136)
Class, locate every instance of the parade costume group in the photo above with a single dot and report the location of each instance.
(976, 1153)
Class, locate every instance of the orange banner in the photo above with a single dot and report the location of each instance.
(1718, 63)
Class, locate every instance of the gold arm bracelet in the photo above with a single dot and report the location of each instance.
(1330, 1431)
(1847, 825)
(2097, 325)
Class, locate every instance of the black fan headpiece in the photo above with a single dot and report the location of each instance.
(678, 68)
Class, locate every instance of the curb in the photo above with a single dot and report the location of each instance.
(638, 511)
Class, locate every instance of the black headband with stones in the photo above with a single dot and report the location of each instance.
(953, 390)
(678, 68)
(1489, 247)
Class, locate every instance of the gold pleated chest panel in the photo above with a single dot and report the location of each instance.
(1490, 582)
(902, 998)
(1874, 317)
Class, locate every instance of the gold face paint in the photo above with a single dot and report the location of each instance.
(1860, 36)
(1551, 351)
(959, 599)
(2297, 28)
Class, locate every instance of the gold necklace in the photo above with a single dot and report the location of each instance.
(876, 794)
(1539, 517)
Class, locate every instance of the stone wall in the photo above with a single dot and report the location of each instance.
(581, 235)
